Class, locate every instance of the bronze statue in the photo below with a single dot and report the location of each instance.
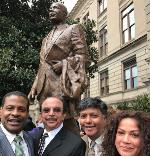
(63, 54)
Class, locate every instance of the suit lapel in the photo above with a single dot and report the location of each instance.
(50, 37)
(29, 144)
(57, 141)
(60, 29)
(85, 138)
(5, 145)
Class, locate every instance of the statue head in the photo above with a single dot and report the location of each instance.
(58, 13)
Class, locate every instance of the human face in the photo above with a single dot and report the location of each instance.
(52, 113)
(128, 140)
(92, 122)
(14, 113)
(57, 13)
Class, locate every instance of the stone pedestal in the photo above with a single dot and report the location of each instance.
(34, 110)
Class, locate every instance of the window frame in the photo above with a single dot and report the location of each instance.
(129, 27)
(86, 18)
(129, 65)
(102, 4)
(104, 77)
(103, 42)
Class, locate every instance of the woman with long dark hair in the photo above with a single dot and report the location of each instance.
(127, 134)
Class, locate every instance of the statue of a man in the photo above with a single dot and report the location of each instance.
(61, 71)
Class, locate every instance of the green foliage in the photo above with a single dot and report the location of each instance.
(93, 52)
(18, 58)
(22, 30)
(23, 27)
(141, 103)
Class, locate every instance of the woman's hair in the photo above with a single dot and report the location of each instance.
(143, 120)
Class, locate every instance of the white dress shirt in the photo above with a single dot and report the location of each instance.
(51, 135)
(10, 137)
(98, 145)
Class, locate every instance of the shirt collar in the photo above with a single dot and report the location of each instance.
(54, 131)
(98, 140)
(60, 26)
(10, 137)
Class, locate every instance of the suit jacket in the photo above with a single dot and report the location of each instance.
(65, 143)
(6, 149)
(68, 46)
(85, 138)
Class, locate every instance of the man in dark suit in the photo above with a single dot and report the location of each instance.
(62, 60)
(14, 112)
(54, 139)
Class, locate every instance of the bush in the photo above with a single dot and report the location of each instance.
(141, 103)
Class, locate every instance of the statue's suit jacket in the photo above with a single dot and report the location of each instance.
(65, 143)
(6, 149)
(69, 47)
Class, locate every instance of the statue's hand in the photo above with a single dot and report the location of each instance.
(32, 94)
(57, 67)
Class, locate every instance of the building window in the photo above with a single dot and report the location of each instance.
(103, 41)
(102, 5)
(130, 74)
(86, 18)
(128, 24)
(104, 83)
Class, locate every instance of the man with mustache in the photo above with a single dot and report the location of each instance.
(54, 139)
(92, 118)
(13, 140)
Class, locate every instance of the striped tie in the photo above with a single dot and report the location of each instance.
(91, 151)
(18, 146)
(41, 144)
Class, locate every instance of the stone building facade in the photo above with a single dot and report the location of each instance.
(124, 47)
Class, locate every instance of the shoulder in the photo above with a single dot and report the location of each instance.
(2, 134)
(38, 131)
(72, 137)
(77, 30)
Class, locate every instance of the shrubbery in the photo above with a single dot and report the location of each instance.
(141, 103)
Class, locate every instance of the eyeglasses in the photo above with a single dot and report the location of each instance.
(55, 110)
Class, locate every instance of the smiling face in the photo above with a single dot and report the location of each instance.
(128, 140)
(14, 113)
(52, 113)
(57, 13)
(92, 122)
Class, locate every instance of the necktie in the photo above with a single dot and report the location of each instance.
(91, 151)
(41, 144)
(18, 146)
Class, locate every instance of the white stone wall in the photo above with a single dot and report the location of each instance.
(139, 47)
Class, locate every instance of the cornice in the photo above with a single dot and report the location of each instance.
(76, 7)
(123, 49)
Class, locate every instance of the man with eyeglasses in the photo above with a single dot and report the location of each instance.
(92, 118)
(54, 139)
